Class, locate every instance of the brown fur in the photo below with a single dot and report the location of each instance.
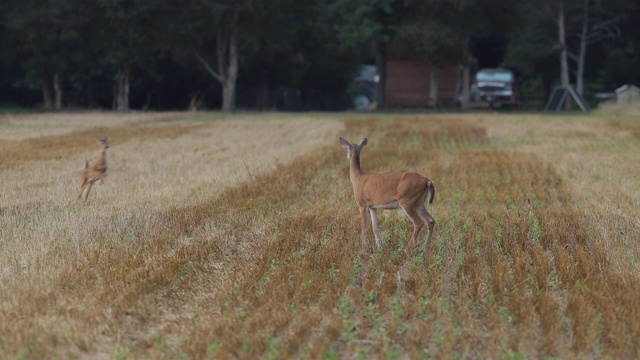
(389, 191)
(96, 170)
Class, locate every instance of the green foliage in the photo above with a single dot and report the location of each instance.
(511, 355)
(360, 22)
(272, 348)
(333, 271)
(346, 306)
(185, 269)
(122, 353)
(286, 44)
(212, 349)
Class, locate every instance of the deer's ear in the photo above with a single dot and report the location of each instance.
(363, 142)
(344, 142)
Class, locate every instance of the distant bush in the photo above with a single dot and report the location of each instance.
(11, 108)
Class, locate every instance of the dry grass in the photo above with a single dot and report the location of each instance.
(238, 238)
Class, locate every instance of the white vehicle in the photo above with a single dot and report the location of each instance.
(494, 86)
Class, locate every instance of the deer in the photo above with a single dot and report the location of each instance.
(96, 170)
(373, 191)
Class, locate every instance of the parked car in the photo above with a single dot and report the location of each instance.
(363, 88)
(494, 86)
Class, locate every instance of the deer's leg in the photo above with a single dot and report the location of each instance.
(363, 224)
(431, 222)
(82, 186)
(417, 226)
(89, 185)
(374, 224)
(415, 219)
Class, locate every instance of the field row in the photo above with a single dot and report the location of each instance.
(531, 256)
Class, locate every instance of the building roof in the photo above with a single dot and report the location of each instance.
(626, 87)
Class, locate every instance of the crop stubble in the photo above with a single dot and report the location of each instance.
(273, 266)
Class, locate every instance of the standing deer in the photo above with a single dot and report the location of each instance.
(95, 170)
(389, 191)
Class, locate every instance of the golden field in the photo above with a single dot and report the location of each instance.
(237, 236)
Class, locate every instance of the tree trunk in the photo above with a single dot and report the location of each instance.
(433, 87)
(564, 65)
(229, 83)
(380, 54)
(228, 96)
(466, 75)
(121, 92)
(47, 102)
(57, 91)
(583, 50)
(227, 58)
(466, 72)
(547, 83)
(196, 101)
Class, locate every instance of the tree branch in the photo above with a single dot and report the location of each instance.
(206, 65)
(604, 30)
(222, 40)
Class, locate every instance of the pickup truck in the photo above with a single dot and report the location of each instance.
(494, 86)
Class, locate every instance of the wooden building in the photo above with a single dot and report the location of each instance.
(411, 81)
(409, 84)
(627, 94)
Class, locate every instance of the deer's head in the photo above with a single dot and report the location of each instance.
(103, 142)
(352, 149)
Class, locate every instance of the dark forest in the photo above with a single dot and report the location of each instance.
(296, 55)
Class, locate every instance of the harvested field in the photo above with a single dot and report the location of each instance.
(237, 236)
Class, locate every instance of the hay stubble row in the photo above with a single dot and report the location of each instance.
(527, 256)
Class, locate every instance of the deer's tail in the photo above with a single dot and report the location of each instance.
(431, 191)
(86, 164)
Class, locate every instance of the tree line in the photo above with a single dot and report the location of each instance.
(296, 55)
